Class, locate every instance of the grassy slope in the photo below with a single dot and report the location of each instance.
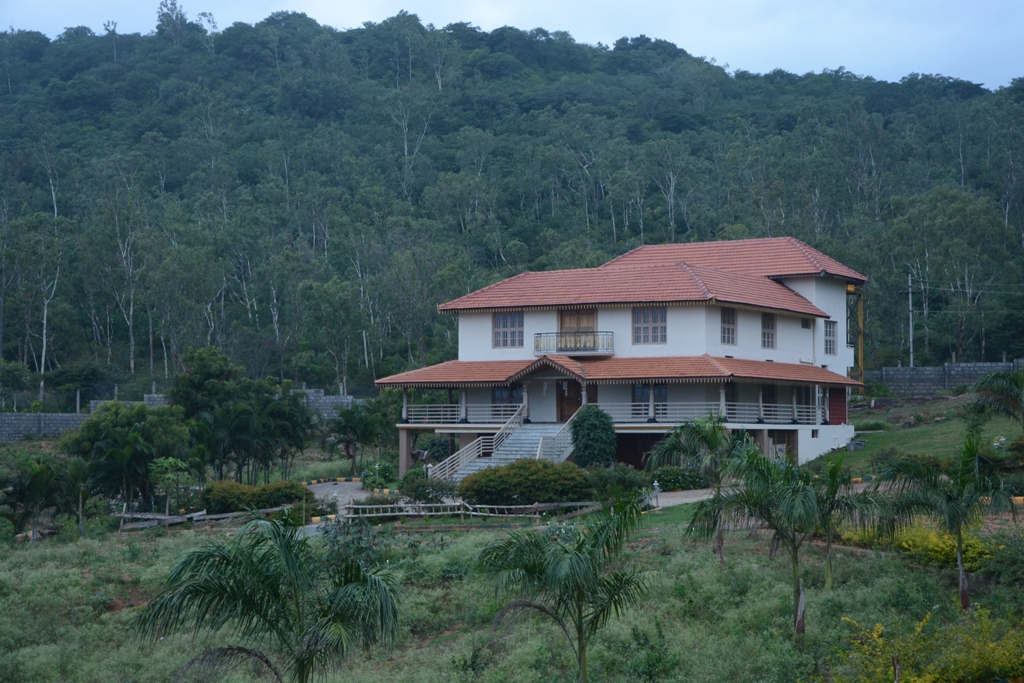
(67, 610)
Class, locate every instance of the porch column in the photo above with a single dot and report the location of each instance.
(817, 404)
(721, 400)
(405, 406)
(760, 405)
(650, 403)
(404, 451)
(526, 402)
(463, 408)
(795, 421)
(827, 390)
(761, 439)
(583, 388)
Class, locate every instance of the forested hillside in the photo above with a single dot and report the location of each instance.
(303, 197)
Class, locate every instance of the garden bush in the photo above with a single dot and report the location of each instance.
(437, 447)
(1006, 562)
(526, 482)
(872, 426)
(229, 496)
(415, 486)
(379, 475)
(671, 478)
(593, 437)
(927, 545)
(617, 479)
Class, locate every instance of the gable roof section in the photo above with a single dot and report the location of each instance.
(616, 371)
(661, 283)
(768, 256)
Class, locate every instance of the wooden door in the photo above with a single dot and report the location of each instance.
(570, 397)
(577, 321)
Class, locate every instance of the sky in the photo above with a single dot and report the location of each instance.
(980, 41)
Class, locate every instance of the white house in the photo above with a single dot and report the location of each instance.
(752, 331)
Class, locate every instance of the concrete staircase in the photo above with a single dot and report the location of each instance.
(522, 443)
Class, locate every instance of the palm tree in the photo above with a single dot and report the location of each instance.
(1003, 392)
(709, 447)
(777, 494)
(954, 497)
(270, 586)
(27, 492)
(125, 456)
(78, 483)
(569, 577)
(837, 503)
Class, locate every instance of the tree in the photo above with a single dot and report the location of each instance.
(27, 491)
(954, 496)
(168, 472)
(14, 376)
(837, 504)
(709, 447)
(77, 484)
(1003, 392)
(269, 586)
(593, 437)
(777, 494)
(569, 578)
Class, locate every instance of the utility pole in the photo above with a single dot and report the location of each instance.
(910, 312)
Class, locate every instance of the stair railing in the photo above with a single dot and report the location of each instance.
(558, 447)
(447, 468)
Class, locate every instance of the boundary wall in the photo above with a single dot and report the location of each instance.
(931, 380)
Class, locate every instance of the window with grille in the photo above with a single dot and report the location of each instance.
(767, 330)
(806, 324)
(728, 325)
(650, 325)
(831, 330)
(508, 329)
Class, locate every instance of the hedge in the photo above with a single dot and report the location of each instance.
(526, 482)
(230, 496)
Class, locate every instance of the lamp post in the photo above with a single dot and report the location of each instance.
(657, 490)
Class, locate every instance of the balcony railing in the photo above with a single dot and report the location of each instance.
(477, 413)
(574, 343)
(628, 413)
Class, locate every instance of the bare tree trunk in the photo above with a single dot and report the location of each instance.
(965, 600)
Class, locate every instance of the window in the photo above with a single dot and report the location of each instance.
(767, 330)
(806, 323)
(649, 325)
(510, 395)
(642, 398)
(728, 325)
(831, 327)
(814, 433)
(508, 329)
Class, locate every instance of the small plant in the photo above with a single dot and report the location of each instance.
(379, 475)
(672, 478)
(649, 658)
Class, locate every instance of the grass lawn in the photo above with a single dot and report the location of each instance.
(939, 439)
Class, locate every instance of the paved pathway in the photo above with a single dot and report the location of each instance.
(343, 492)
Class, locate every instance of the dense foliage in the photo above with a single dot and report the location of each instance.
(302, 197)
(230, 496)
(593, 437)
(526, 482)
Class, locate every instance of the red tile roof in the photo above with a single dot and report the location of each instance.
(616, 370)
(633, 284)
(769, 256)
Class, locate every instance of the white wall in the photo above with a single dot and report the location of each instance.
(829, 437)
(476, 336)
(793, 344)
(828, 294)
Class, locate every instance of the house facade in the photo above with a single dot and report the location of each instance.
(751, 331)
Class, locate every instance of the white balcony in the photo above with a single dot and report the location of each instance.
(574, 343)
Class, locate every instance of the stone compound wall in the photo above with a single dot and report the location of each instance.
(928, 381)
(16, 426)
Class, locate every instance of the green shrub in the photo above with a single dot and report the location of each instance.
(415, 486)
(872, 426)
(1006, 563)
(229, 496)
(617, 479)
(927, 545)
(874, 389)
(671, 478)
(593, 437)
(378, 475)
(526, 482)
(437, 447)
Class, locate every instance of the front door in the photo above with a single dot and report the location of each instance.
(570, 397)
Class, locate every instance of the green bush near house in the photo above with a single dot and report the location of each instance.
(526, 482)
(593, 437)
(229, 496)
(672, 478)
(609, 482)
(415, 486)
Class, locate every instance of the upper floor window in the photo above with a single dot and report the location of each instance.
(806, 324)
(650, 325)
(831, 331)
(508, 329)
(767, 330)
(728, 325)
